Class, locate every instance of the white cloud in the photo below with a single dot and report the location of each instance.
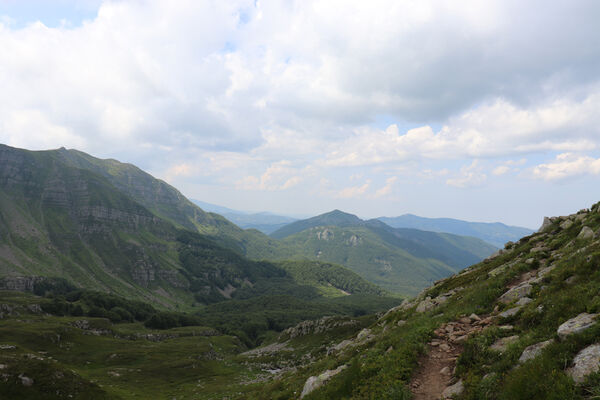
(353, 191)
(567, 165)
(387, 189)
(500, 170)
(278, 176)
(470, 176)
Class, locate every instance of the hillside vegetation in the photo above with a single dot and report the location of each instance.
(520, 325)
(399, 260)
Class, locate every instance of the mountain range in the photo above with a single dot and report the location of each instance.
(397, 259)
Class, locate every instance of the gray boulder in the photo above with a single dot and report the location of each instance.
(510, 312)
(453, 390)
(516, 293)
(586, 233)
(575, 325)
(566, 224)
(315, 382)
(534, 350)
(586, 362)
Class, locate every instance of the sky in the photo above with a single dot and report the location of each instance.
(478, 110)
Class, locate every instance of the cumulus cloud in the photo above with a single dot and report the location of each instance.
(226, 91)
(469, 176)
(387, 189)
(567, 165)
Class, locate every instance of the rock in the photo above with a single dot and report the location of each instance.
(445, 347)
(340, 346)
(496, 254)
(363, 335)
(545, 271)
(499, 270)
(546, 224)
(566, 224)
(25, 380)
(523, 301)
(529, 261)
(506, 327)
(502, 344)
(315, 382)
(534, 350)
(516, 293)
(425, 305)
(474, 317)
(570, 280)
(586, 362)
(586, 233)
(581, 216)
(401, 322)
(7, 347)
(453, 390)
(510, 312)
(575, 325)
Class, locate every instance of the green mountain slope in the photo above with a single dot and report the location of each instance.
(400, 260)
(495, 233)
(61, 221)
(168, 203)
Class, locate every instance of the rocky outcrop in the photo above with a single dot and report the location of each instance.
(586, 362)
(575, 325)
(516, 293)
(534, 350)
(19, 283)
(586, 233)
(326, 234)
(315, 382)
(317, 326)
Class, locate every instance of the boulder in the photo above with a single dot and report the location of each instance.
(566, 224)
(534, 350)
(516, 293)
(315, 382)
(510, 312)
(575, 325)
(453, 390)
(523, 301)
(546, 224)
(502, 344)
(426, 305)
(586, 362)
(586, 233)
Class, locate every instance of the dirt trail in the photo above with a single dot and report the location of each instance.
(436, 367)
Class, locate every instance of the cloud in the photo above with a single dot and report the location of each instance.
(469, 176)
(278, 176)
(353, 191)
(567, 165)
(387, 189)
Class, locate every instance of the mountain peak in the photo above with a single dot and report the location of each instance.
(332, 218)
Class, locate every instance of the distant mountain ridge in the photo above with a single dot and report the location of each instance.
(402, 260)
(265, 222)
(495, 233)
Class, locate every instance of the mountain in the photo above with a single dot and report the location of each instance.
(495, 233)
(520, 325)
(333, 218)
(263, 221)
(399, 260)
(97, 224)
